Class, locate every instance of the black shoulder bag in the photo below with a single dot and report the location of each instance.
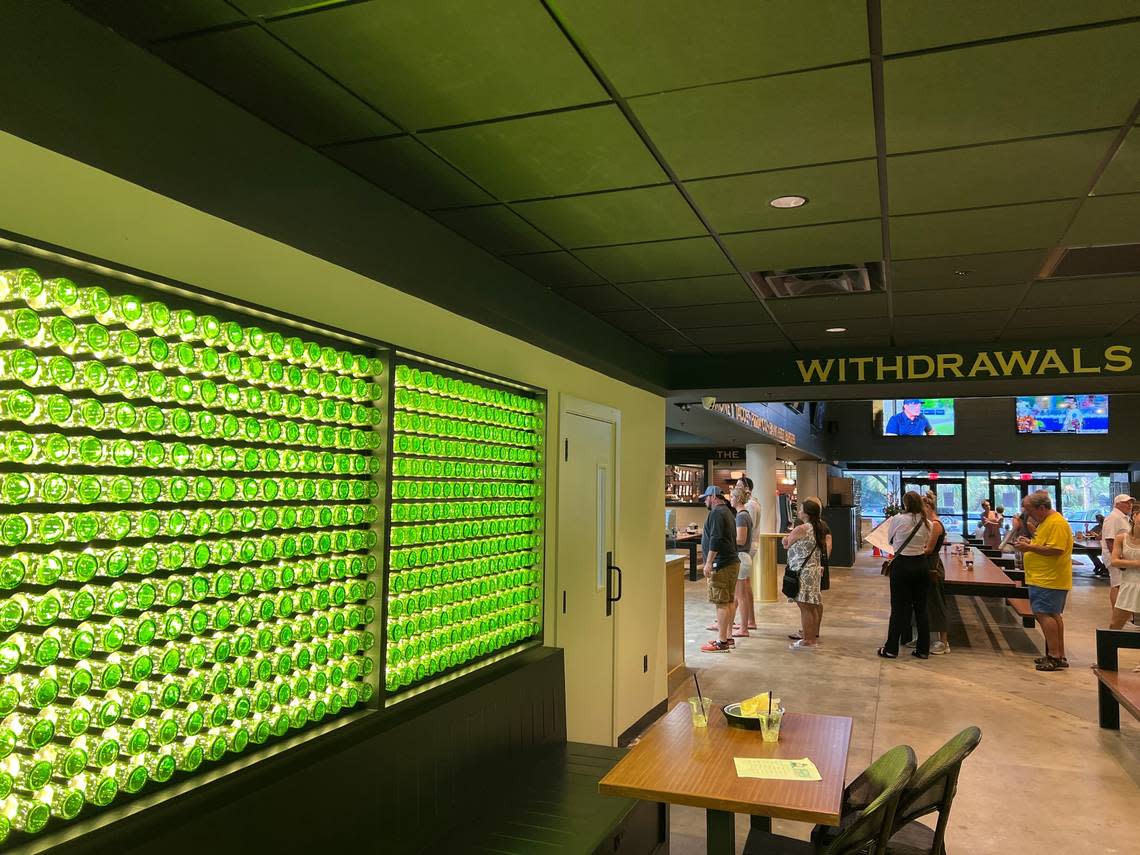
(887, 564)
(791, 584)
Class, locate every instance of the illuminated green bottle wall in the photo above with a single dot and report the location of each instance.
(465, 540)
(190, 511)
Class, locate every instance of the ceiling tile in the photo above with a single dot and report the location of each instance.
(919, 24)
(698, 291)
(945, 325)
(622, 216)
(146, 20)
(268, 8)
(1051, 334)
(995, 268)
(745, 346)
(680, 43)
(734, 314)
(924, 301)
(407, 169)
(255, 70)
(729, 333)
(636, 262)
(1106, 219)
(838, 191)
(557, 269)
(807, 246)
(1026, 171)
(440, 62)
(1100, 291)
(666, 340)
(496, 228)
(791, 120)
(829, 308)
(930, 337)
(817, 329)
(577, 151)
(1129, 327)
(983, 230)
(1052, 84)
(1031, 317)
(1123, 173)
(637, 320)
(880, 339)
(599, 298)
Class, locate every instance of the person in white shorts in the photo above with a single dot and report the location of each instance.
(1116, 524)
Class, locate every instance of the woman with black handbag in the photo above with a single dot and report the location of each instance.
(909, 533)
(806, 543)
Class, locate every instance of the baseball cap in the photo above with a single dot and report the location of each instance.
(712, 491)
(1123, 497)
(912, 401)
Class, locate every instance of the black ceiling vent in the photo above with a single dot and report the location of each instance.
(819, 281)
(1099, 261)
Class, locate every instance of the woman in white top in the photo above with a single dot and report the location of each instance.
(909, 534)
(1126, 556)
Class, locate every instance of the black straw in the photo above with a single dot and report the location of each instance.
(700, 697)
(769, 702)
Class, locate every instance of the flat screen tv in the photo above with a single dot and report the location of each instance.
(914, 417)
(1062, 414)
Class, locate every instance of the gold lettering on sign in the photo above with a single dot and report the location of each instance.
(881, 368)
(817, 368)
(1016, 362)
(1118, 357)
(913, 371)
(949, 363)
(982, 362)
(1078, 368)
(1052, 361)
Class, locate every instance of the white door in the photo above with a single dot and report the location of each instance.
(587, 587)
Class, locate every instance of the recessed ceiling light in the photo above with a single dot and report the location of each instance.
(836, 329)
(788, 201)
(962, 272)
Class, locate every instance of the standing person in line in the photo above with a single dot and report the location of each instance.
(753, 505)
(806, 543)
(935, 600)
(1115, 524)
(1048, 574)
(718, 543)
(981, 529)
(745, 608)
(1126, 558)
(991, 528)
(909, 534)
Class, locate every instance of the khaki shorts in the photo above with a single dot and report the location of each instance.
(722, 584)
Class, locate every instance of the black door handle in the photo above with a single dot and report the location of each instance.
(610, 598)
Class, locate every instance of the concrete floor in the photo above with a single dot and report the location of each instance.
(1045, 777)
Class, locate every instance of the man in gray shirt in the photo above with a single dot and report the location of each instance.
(722, 564)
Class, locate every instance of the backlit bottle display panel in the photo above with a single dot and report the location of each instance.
(465, 537)
(189, 525)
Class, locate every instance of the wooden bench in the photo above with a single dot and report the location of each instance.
(1115, 688)
(1024, 611)
(480, 764)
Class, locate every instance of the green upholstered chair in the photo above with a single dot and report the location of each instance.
(930, 791)
(864, 830)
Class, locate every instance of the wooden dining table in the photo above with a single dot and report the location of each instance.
(679, 763)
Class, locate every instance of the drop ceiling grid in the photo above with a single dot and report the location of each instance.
(615, 236)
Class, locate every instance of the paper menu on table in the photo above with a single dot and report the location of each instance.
(776, 770)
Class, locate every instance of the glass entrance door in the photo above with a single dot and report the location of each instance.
(1010, 493)
(951, 493)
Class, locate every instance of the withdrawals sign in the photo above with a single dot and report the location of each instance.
(969, 364)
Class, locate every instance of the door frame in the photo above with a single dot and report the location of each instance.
(929, 483)
(570, 405)
(1026, 486)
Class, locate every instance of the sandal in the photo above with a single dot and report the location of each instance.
(716, 646)
(882, 651)
(796, 636)
(741, 634)
(1041, 660)
(1051, 664)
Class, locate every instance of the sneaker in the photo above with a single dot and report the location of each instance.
(918, 655)
(801, 645)
(1061, 663)
(715, 646)
(939, 648)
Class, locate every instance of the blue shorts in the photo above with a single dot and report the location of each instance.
(1047, 601)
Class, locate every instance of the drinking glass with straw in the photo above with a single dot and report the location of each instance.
(699, 706)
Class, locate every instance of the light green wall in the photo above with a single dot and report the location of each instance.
(52, 198)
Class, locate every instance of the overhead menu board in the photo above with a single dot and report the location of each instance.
(189, 505)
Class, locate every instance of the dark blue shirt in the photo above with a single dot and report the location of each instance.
(900, 425)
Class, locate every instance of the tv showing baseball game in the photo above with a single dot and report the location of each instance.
(1062, 414)
(914, 417)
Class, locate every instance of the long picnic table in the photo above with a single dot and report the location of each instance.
(986, 579)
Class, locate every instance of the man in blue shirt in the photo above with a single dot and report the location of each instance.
(910, 422)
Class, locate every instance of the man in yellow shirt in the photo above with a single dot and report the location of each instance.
(1048, 561)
